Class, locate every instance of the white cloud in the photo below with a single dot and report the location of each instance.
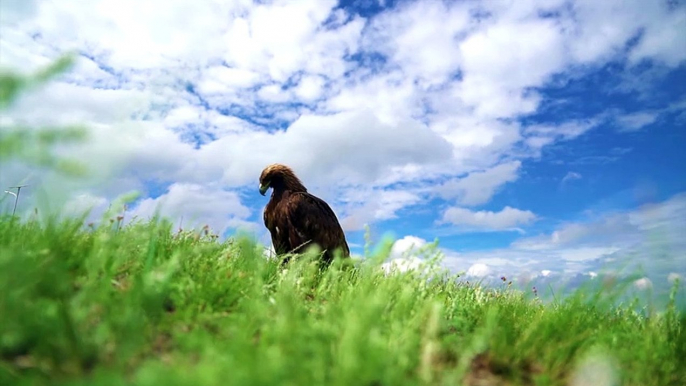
(506, 219)
(83, 202)
(406, 245)
(220, 78)
(503, 60)
(403, 264)
(137, 34)
(581, 253)
(596, 36)
(363, 207)
(344, 148)
(60, 103)
(282, 38)
(526, 265)
(660, 39)
(310, 88)
(478, 187)
(565, 235)
(647, 239)
(407, 254)
(620, 228)
(273, 93)
(420, 37)
(441, 104)
(390, 95)
(536, 143)
(570, 176)
(12, 10)
(189, 119)
(197, 205)
(636, 121)
(564, 131)
(479, 270)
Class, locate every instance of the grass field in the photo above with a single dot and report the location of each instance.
(147, 305)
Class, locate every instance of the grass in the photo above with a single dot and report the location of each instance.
(145, 305)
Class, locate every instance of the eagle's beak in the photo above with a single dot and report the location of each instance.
(263, 189)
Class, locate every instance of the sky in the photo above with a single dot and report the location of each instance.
(533, 139)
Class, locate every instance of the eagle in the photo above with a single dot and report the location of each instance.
(297, 219)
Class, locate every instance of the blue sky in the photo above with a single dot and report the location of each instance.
(534, 139)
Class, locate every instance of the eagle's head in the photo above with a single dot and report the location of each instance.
(279, 176)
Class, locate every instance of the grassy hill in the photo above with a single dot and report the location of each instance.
(146, 305)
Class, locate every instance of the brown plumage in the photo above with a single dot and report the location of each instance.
(297, 219)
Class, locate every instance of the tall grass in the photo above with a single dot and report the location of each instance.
(145, 305)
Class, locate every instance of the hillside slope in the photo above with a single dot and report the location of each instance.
(146, 305)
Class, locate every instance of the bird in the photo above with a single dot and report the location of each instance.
(297, 219)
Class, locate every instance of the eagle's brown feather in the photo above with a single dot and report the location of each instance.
(297, 219)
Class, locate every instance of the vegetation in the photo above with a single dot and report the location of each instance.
(145, 305)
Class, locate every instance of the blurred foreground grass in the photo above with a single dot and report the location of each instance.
(145, 305)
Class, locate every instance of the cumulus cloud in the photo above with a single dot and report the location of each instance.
(407, 254)
(496, 66)
(478, 187)
(205, 95)
(646, 240)
(506, 219)
(220, 78)
(362, 208)
(197, 205)
(406, 245)
(84, 202)
(61, 103)
(479, 270)
(403, 264)
(310, 88)
(345, 148)
(427, 54)
(658, 41)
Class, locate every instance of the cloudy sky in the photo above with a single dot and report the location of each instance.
(539, 138)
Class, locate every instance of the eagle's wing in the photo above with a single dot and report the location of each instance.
(311, 220)
(277, 224)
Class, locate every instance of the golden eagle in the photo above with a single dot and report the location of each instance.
(296, 219)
